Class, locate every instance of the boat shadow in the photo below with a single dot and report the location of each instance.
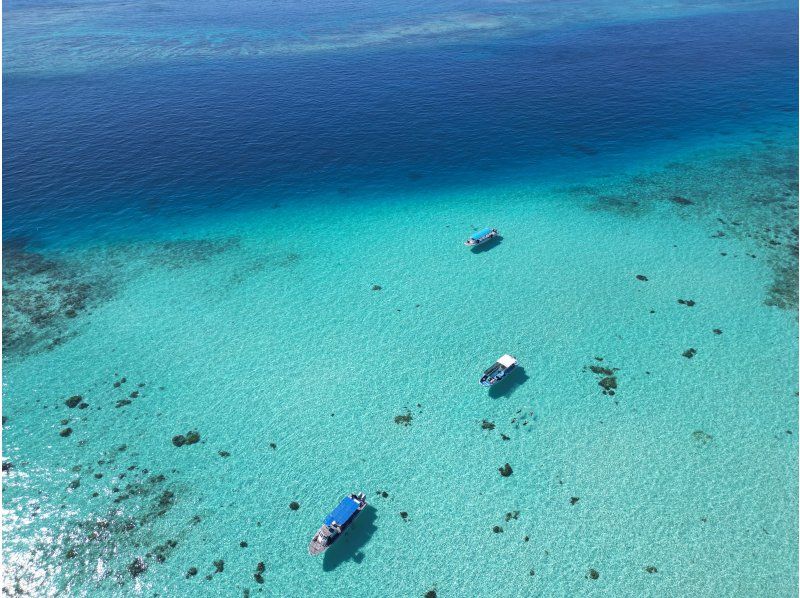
(488, 246)
(509, 384)
(348, 548)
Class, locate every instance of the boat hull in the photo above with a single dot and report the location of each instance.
(326, 536)
(494, 379)
(482, 240)
(316, 547)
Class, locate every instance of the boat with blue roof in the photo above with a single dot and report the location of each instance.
(336, 522)
(499, 370)
(482, 236)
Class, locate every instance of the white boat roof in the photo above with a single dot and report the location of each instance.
(507, 360)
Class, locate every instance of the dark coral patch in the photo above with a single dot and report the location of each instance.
(74, 401)
(596, 369)
(609, 384)
(137, 567)
(42, 295)
(187, 252)
(403, 420)
(701, 437)
(190, 438)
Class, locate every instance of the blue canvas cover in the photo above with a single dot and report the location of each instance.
(480, 234)
(343, 512)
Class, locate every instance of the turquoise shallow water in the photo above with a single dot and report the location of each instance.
(251, 226)
(263, 327)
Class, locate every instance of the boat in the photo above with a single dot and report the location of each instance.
(482, 236)
(337, 521)
(499, 370)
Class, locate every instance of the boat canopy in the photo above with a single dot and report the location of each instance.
(480, 234)
(343, 512)
(506, 360)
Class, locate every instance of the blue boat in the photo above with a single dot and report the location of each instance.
(482, 236)
(337, 521)
(501, 368)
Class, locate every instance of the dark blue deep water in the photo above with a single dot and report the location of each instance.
(137, 141)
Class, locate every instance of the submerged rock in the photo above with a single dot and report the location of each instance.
(641, 277)
(191, 572)
(574, 500)
(689, 353)
(219, 566)
(651, 569)
(717, 331)
(686, 302)
(506, 470)
(404, 514)
(593, 574)
(430, 593)
(487, 425)
(376, 287)
(65, 432)
(294, 505)
(179, 440)
(497, 529)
